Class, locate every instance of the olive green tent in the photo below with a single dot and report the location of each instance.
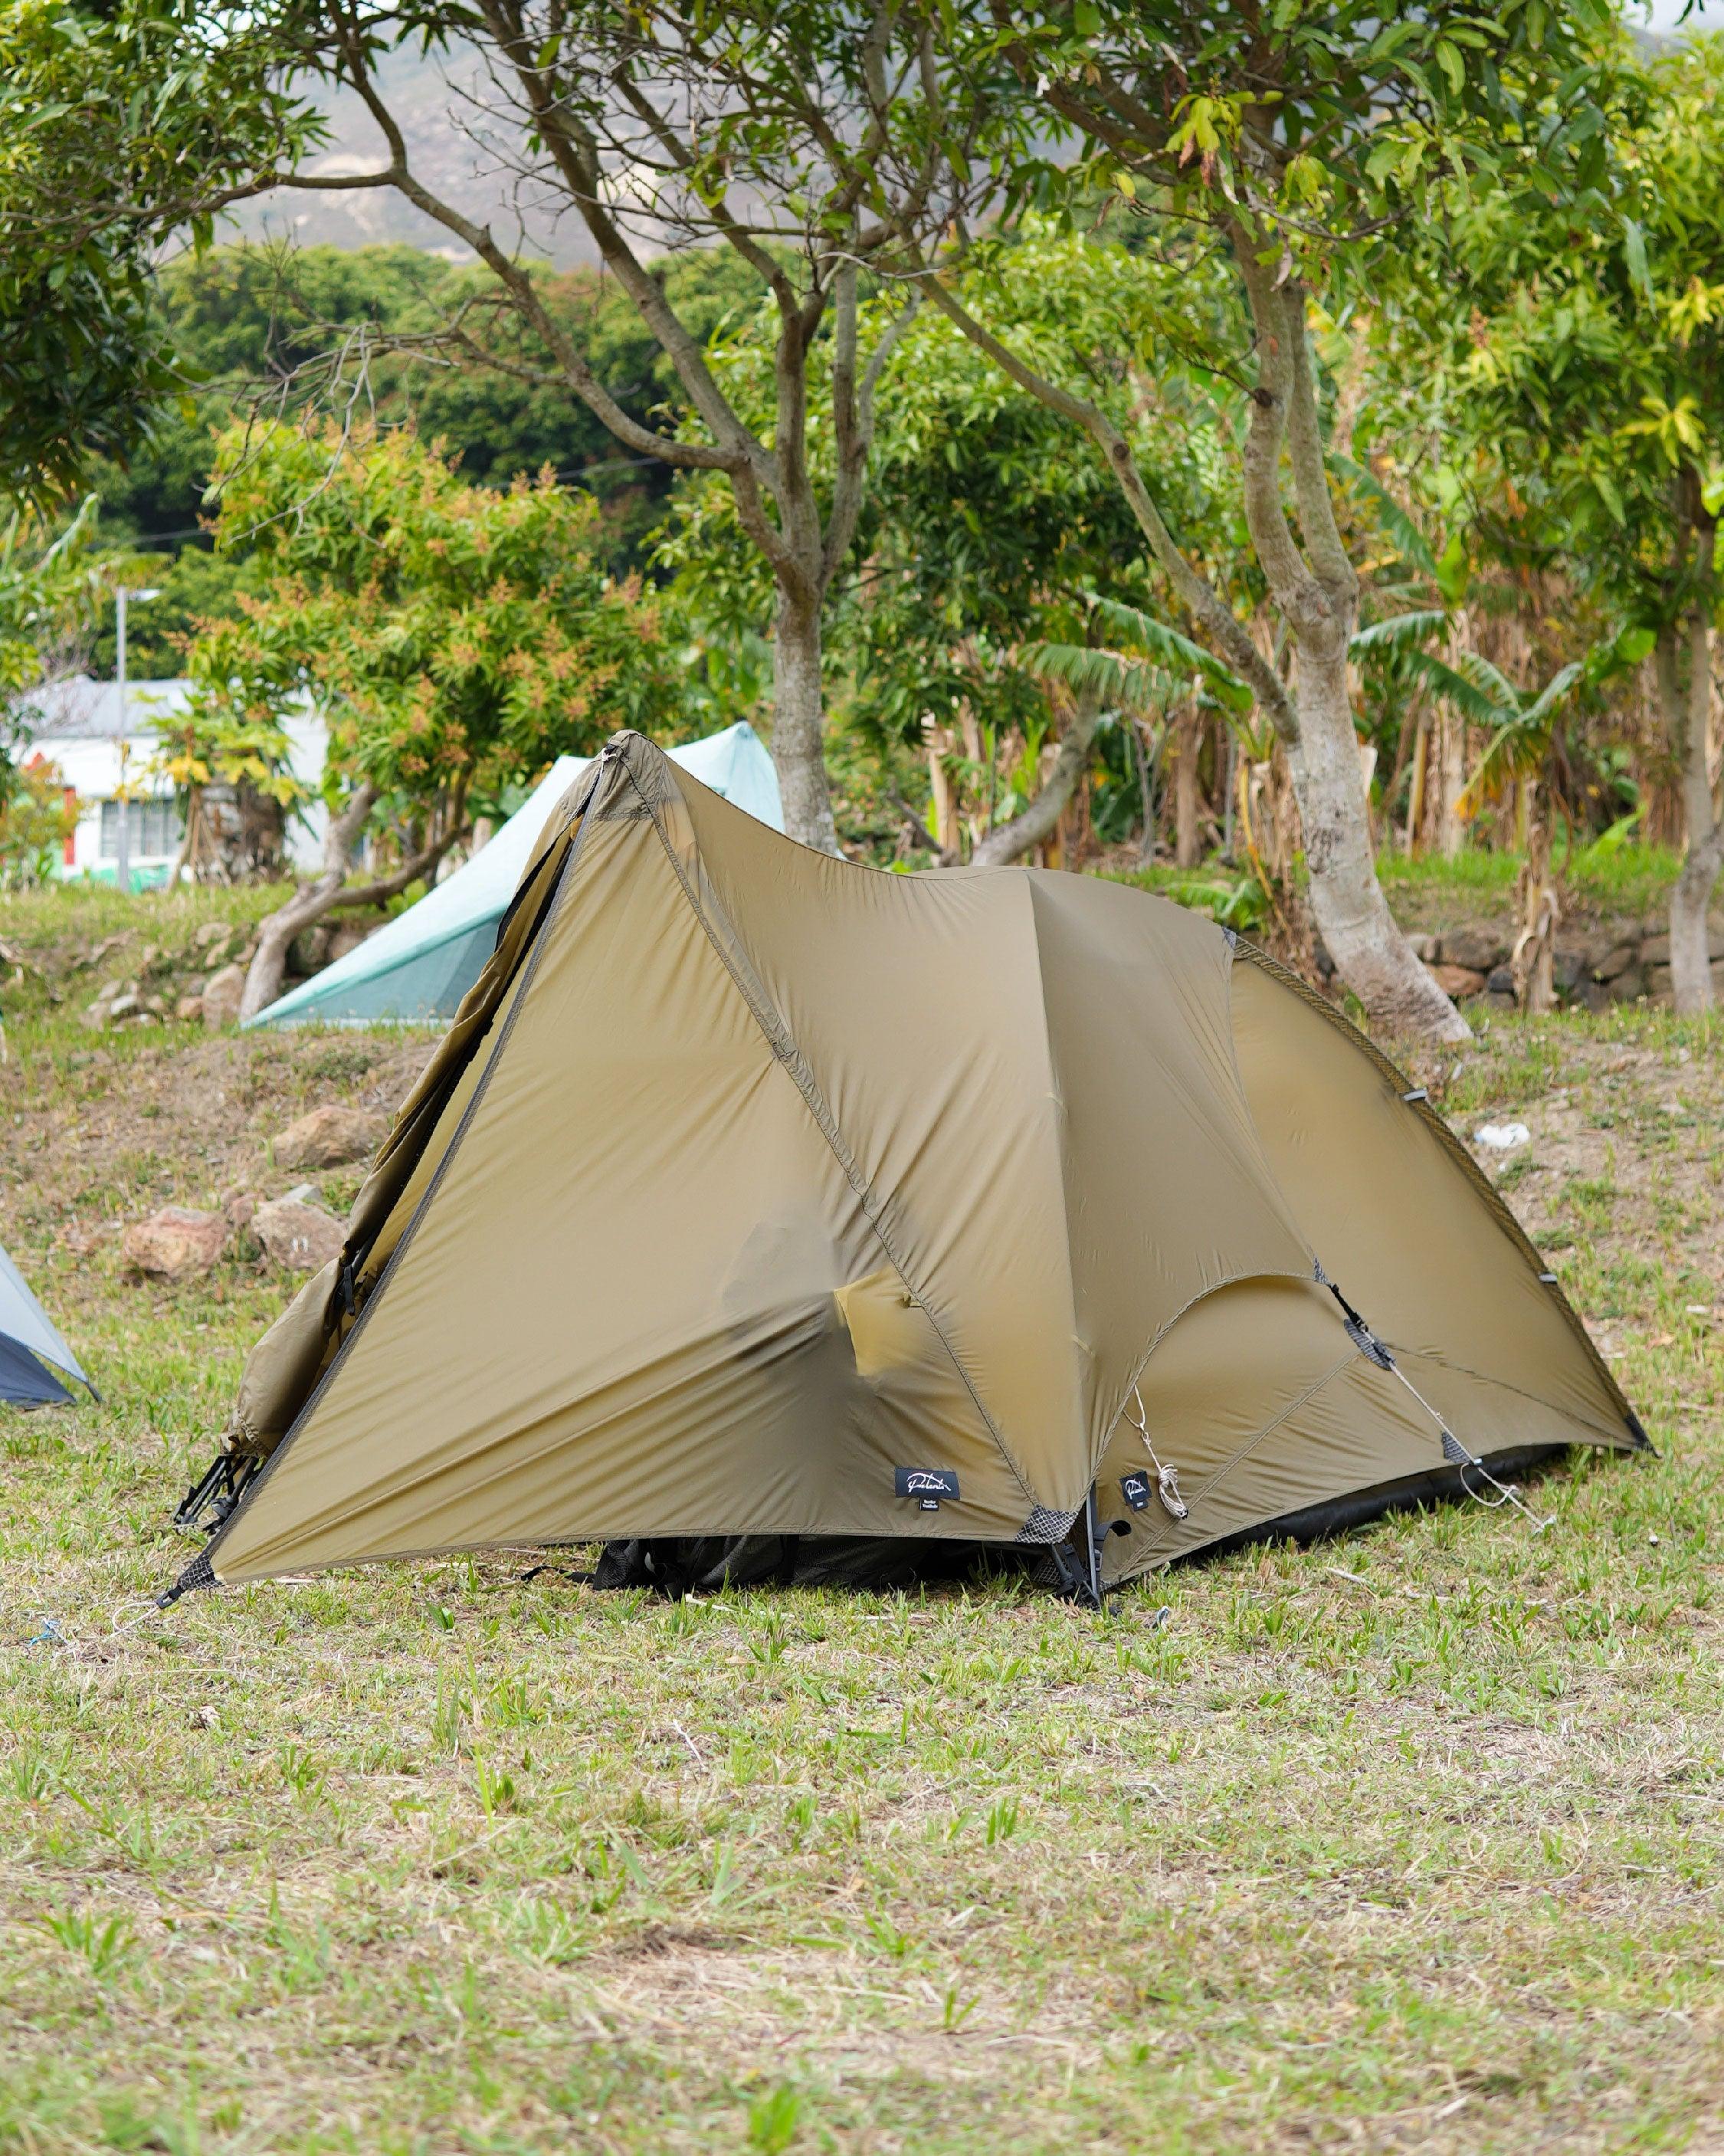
(758, 1195)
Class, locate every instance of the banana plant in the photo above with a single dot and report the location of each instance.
(1520, 722)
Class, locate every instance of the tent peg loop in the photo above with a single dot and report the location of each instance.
(1454, 1451)
(1507, 1493)
(199, 1574)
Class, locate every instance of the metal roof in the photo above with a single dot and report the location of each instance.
(76, 708)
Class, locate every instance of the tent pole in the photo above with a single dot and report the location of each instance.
(1092, 1547)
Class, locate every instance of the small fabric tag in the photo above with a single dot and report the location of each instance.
(1134, 1489)
(930, 1486)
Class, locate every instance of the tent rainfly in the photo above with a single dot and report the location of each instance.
(416, 968)
(34, 1359)
(763, 1214)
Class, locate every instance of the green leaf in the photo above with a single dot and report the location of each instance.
(1454, 570)
(1131, 684)
(1450, 60)
(1395, 521)
(1465, 696)
(1633, 253)
(1401, 631)
(1131, 625)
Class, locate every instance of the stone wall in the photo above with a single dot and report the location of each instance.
(1617, 961)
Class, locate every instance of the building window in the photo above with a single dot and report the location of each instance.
(153, 830)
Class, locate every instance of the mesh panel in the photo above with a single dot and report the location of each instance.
(1044, 1525)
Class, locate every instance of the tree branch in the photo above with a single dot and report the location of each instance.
(1297, 591)
(1039, 819)
(1201, 599)
(1329, 557)
(854, 412)
(392, 886)
(262, 979)
(576, 156)
(692, 456)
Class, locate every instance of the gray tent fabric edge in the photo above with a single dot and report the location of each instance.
(24, 1320)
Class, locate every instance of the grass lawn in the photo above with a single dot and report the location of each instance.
(1409, 1840)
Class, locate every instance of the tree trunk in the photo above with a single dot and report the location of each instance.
(1688, 717)
(1036, 823)
(1371, 954)
(945, 832)
(797, 725)
(1187, 796)
(1415, 789)
(1315, 589)
(188, 840)
(263, 983)
(1451, 828)
(239, 835)
(1146, 851)
(1532, 960)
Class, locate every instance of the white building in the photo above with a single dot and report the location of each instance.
(74, 724)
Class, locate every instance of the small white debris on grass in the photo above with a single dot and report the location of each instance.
(1502, 1137)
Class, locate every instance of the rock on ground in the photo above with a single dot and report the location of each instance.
(330, 1137)
(1478, 947)
(176, 1243)
(222, 992)
(301, 1238)
(348, 936)
(1458, 981)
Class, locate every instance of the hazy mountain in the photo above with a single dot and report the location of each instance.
(456, 148)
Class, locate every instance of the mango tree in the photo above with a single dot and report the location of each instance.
(1294, 148)
(985, 537)
(449, 634)
(1578, 356)
(118, 126)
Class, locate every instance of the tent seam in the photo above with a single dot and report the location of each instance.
(1098, 1452)
(790, 1058)
(1498, 1384)
(1203, 1294)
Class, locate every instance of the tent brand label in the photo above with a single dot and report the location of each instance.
(1134, 1489)
(931, 1486)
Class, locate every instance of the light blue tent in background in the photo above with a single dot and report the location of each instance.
(416, 968)
(34, 1358)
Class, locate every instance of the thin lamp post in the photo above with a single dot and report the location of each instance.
(122, 851)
